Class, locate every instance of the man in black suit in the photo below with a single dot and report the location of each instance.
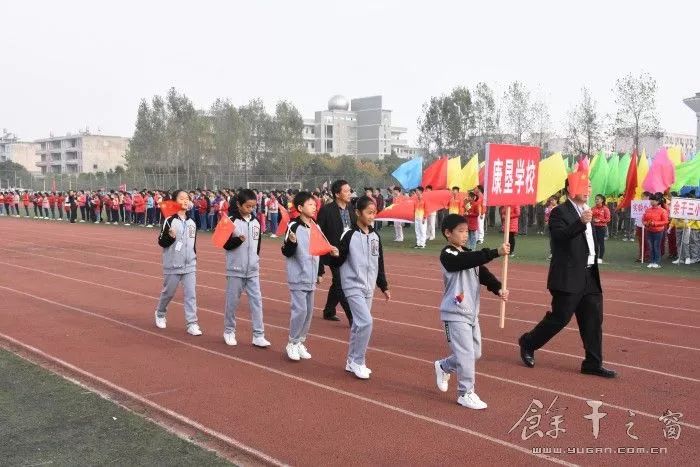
(334, 219)
(574, 282)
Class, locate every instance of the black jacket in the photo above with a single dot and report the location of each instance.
(332, 225)
(567, 270)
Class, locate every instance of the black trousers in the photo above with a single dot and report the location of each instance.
(73, 213)
(511, 239)
(599, 233)
(588, 308)
(335, 296)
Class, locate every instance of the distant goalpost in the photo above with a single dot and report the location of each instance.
(277, 186)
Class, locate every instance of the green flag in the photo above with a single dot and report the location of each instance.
(687, 173)
(611, 187)
(622, 169)
(598, 176)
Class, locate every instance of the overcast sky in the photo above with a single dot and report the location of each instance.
(67, 64)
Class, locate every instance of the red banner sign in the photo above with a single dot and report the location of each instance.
(511, 175)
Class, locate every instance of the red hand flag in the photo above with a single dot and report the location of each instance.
(318, 243)
(282, 228)
(578, 182)
(403, 211)
(169, 208)
(223, 231)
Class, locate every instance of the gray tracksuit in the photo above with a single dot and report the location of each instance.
(243, 273)
(302, 271)
(463, 272)
(179, 264)
(361, 264)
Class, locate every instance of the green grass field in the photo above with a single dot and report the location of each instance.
(46, 420)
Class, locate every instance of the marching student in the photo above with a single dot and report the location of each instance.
(96, 208)
(272, 212)
(2, 205)
(601, 219)
(60, 202)
(302, 274)
(115, 207)
(463, 272)
(479, 190)
(16, 201)
(25, 202)
(178, 237)
(243, 270)
(421, 223)
(52, 205)
(361, 263)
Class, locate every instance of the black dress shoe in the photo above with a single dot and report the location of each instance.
(600, 371)
(331, 318)
(527, 356)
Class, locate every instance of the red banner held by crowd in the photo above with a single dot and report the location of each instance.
(436, 200)
(511, 175)
(222, 232)
(403, 211)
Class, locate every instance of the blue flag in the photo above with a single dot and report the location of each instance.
(410, 173)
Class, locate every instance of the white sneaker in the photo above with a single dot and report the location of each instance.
(107, 223)
(230, 338)
(273, 236)
(361, 371)
(650, 265)
(471, 401)
(688, 261)
(303, 352)
(678, 261)
(260, 341)
(149, 226)
(160, 322)
(293, 351)
(127, 224)
(657, 266)
(442, 377)
(193, 329)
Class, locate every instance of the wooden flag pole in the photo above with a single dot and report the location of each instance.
(642, 260)
(506, 233)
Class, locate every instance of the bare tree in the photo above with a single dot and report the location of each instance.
(541, 123)
(584, 126)
(518, 109)
(636, 108)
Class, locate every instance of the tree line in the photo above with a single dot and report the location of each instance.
(463, 120)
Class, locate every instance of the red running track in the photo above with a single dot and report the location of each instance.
(85, 294)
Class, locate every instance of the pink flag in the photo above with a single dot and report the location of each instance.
(662, 173)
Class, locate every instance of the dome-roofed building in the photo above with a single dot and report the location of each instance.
(360, 128)
(338, 102)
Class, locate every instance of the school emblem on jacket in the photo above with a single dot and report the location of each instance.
(374, 247)
(459, 299)
(256, 232)
(192, 230)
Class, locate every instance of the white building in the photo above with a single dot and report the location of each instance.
(19, 152)
(360, 128)
(651, 144)
(81, 153)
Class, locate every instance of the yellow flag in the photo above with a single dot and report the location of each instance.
(470, 174)
(674, 154)
(551, 176)
(642, 171)
(454, 172)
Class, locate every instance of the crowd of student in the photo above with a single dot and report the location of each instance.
(678, 238)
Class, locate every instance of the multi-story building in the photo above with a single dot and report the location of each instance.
(81, 153)
(651, 144)
(19, 152)
(360, 128)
